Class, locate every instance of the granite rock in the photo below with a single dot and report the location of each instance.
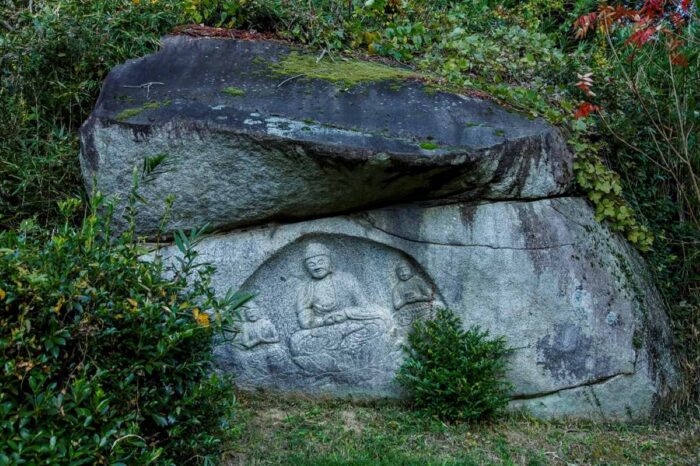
(472, 211)
(334, 298)
(236, 141)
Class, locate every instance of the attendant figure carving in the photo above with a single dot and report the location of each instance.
(255, 329)
(412, 297)
(257, 342)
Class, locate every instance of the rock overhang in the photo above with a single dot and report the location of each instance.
(399, 108)
(379, 134)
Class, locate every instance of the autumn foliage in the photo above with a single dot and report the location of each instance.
(656, 20)
(645, 63)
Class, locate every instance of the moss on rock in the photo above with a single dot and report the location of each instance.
(343, 72)
(132, 112)
(233, 91)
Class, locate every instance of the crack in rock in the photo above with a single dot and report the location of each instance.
(369, 220)
(590, 383)
(568, 218)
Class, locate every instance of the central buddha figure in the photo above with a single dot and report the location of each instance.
(330, 297)
(340, 330)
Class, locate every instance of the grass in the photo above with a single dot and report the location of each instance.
(300, 431)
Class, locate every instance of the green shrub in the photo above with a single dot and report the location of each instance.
(104, 359)
(453, 373)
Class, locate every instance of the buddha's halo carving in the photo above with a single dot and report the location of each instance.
(330, 314)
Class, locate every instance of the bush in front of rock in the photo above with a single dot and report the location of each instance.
(453, 373)
(105, 356)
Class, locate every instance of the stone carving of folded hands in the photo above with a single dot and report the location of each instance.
(335, 318)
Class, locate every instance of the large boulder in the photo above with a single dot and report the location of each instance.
(241, 132)
(473, 211)
(335, 297)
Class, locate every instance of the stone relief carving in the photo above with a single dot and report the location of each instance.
(338, 323)
(413, 298)
(256, 345)
(255, 329)
(328, 315)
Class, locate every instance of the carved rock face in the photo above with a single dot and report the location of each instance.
(303, 148)
(339, 332)
(544, 274)
(318, 266)
(237, 143)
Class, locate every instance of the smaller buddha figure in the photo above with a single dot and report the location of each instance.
(257, 353)
(255, 329)
(412, 297)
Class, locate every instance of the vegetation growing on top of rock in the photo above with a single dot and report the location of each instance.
(233, 91)
(132, 112)
(344, 72)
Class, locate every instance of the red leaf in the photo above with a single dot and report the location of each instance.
(621, 12)
(653, 8)
(679, 59)
(606, 16)
(585, 109)
(641, 37)
(677, 19)
(583, 24)
(685, 5)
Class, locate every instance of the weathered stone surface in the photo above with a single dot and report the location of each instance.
(240, 138)
(334, 298)
(240, 142)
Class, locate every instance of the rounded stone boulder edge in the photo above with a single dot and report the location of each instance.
(246, 132)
